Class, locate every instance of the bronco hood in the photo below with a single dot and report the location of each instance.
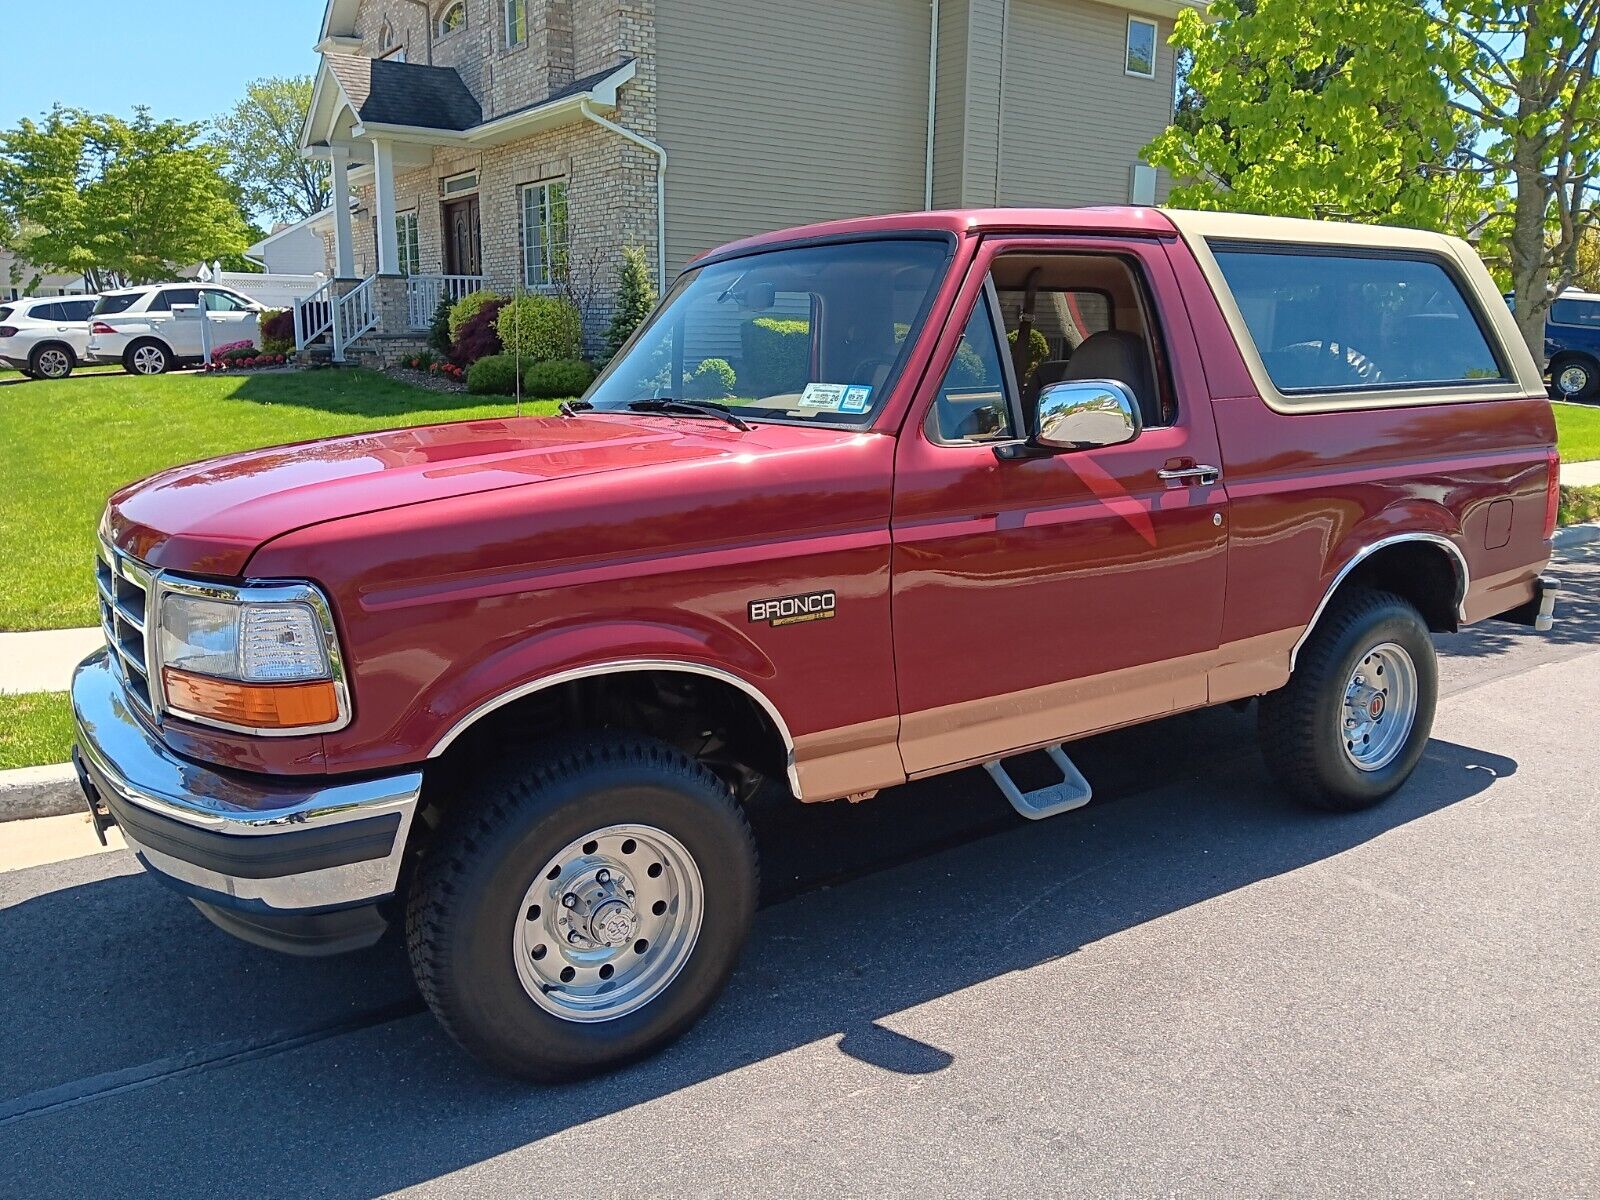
(209, 517)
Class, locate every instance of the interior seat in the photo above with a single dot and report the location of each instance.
(1118, 355)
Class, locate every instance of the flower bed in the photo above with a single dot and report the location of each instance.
(243, 356)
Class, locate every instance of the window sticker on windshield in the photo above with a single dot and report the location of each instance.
(827, 396)
(857, 399)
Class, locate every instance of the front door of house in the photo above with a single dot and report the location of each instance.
(461, 247)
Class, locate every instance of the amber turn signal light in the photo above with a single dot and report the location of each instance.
(253, 705)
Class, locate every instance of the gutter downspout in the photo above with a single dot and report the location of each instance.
(660, 152)
(933, 100)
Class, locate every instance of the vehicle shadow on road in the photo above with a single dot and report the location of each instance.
(188, 1057)
(1577, 613)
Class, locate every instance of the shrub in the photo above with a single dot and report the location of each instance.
(777, 353)
(713, 379)
(636, 296)
(277, 331)
(1038, 351)
(479, 336)
(546, 379)
(464, 309)
(541, 327)
(439, 328)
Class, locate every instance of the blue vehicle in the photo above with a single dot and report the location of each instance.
(1572, 344)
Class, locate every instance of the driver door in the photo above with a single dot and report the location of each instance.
(1038, 599)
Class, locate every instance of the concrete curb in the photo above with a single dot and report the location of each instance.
(1576, 535)
(39, 792)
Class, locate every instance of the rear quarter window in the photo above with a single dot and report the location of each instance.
(1583, 313)
(1349, 322)
(115, 304)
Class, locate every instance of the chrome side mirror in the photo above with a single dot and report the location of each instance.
(1082, 414)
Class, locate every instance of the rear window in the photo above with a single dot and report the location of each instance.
(1576, 312)
(115, 304)
(1339, 322)
(4, 313)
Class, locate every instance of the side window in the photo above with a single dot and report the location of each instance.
(1583, 313)
(222, 302)
(972, 405)
(47, 312)
(1356, 322)
(79, 310)
(1083, 316)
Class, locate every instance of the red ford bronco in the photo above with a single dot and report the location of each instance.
(511, 681)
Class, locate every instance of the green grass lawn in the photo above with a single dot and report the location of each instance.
(35, 728)
(1578, 431)
(70, 443)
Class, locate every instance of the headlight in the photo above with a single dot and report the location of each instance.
(259, 659)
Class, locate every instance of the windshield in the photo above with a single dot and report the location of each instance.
(809, 333)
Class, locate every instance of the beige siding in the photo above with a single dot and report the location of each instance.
(949, 124)
(1075, 122)
(782, 114)
(985, 36)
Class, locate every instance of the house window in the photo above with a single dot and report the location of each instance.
(1141, 54)
(405, 236)
(544, 233)
(459, 185)
(516, 22)
(453, 18)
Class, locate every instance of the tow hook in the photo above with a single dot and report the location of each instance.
(99, 813)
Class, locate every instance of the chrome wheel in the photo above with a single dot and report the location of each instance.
(1573, 380)
(53, 364)
(608, 923)
(149, 360)
(1380, 707)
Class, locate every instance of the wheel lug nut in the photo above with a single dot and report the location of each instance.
(574, 938)
(570, 900)
(602, 876)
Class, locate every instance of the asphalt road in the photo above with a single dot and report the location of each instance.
(1190, 987)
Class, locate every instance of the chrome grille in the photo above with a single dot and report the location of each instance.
(124, 586)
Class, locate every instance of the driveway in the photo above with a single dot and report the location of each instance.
(1189, 987)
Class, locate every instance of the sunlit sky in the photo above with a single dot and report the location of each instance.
(189, 59)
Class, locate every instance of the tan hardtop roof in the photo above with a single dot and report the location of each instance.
(1249, 227)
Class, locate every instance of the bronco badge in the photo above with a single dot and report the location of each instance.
(794, 610)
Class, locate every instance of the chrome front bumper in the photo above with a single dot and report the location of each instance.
(259, 855)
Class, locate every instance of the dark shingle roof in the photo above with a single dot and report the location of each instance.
(386, 92)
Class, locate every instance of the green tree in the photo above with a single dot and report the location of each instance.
(636, 297)
(117, 201)
(1294, 108)
(1524, 75)
(261, 137)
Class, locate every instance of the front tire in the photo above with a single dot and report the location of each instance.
(585, 909)
(51, 361)
(1576, 378)
(147, 358)
(1352, 722)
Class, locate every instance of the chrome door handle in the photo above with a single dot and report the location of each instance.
(1197, 474)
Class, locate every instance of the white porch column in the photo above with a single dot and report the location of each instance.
(344, 257)
(388, 241)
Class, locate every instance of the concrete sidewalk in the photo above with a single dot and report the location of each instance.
(1581, 474)
(43, 661)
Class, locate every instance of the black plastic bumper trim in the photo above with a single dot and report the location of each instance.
(256, 856)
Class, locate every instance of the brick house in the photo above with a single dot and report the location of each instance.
(517, 143)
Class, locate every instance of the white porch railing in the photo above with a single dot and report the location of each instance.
(423, 293)
(354, 313)
(313, 315)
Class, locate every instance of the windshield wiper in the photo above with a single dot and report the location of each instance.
(571, 408)
(694, 408)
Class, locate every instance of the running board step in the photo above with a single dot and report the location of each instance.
(1072, 792)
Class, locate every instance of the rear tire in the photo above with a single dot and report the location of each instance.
(1576, 378)
(51, 361)
(147, 358)
(583, 910)
(1352, 722)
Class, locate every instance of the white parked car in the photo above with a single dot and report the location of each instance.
(45, 336)
(139, 328)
